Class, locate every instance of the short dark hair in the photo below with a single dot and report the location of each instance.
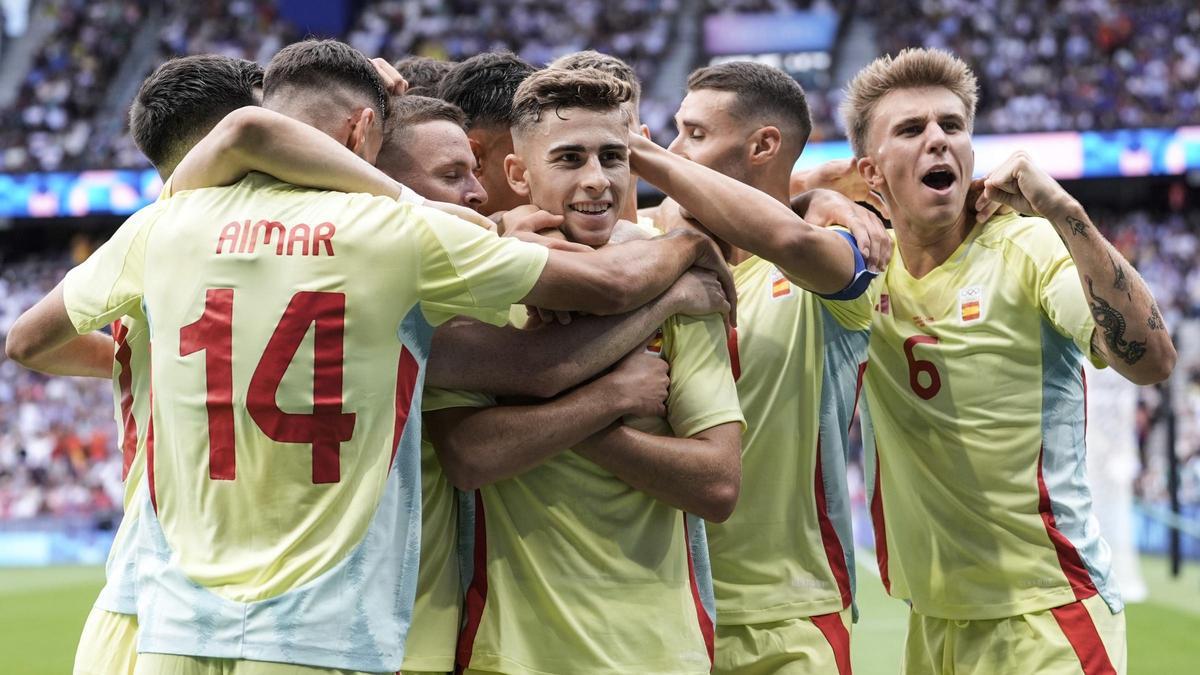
(408, 111)
(763, 93)
(423, 74)
(556, 88)
(320, 64)
(484, 86)
(183, 99)
(590, 58)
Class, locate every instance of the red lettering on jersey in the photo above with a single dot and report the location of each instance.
(243, 238)
(323, 233)
(267, 227)
(299, 233)
(229, 233)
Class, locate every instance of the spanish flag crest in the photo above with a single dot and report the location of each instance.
(656, 343)
(970, 304)
(780, 286)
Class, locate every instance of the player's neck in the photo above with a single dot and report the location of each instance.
(926, 246)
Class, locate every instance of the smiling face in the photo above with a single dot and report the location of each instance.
(434, 159)
(574, 162)
(919, 155)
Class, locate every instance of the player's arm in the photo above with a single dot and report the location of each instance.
(479, 446)
(1130, 334)
(815, 258)
(258, 139)
(700, 475)
(44, 339)
(623, 277)
(476, 356)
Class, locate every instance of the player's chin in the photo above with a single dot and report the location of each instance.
(590, 230)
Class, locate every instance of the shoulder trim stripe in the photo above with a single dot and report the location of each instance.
(123, 357)
(476, 593)
(706, 623)
(406, 383)
(877, 524)
(829, 536)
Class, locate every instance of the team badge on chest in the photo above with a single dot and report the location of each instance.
(780, 286)
(970, 305)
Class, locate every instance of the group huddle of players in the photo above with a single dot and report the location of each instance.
(407, 381)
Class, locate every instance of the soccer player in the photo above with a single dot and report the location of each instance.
(783, 564)
(483, 87)
(175, 106)
(426, 148)
(624, 72)
(584, 559)
(296, 432)
(974, 423)
(423, 74)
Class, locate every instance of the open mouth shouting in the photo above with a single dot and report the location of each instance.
(940, 178)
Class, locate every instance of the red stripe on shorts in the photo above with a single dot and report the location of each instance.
(835, 633)
(1077, 625)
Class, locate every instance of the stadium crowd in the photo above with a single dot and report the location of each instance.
(58, 453)
(1036, 75)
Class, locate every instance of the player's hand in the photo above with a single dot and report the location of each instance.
(641, 382)
(709, 257)
(1021, 185)
(540, 317)
(528, 218)
(698, 293)
(827, 208)
(393, 82)
(841, 176)
(983, 207)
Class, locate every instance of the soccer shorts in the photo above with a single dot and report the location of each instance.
(108, 644)
(1082, 638)
(172, 664)
(816, 645)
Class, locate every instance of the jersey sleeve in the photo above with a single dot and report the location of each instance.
(435, 399)
(1059, 290)
(466, 269)
(108, 285)
(702, 393)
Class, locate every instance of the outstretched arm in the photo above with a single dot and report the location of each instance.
(622, 277)
(472, 355)
(1129, 332)
(817, 259)
(257, 139)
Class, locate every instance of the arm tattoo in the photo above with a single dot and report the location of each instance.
(1120, 280)
(1078, 227)
(1112, 324)
(1155, 321)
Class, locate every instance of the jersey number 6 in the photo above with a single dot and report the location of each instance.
(917, 366)
(326, 427)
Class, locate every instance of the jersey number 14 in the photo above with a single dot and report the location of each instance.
(325, 428)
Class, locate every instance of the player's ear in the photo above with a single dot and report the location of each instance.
(870, 173)
(478, 151)
(767, 142)
(517, 175)
(360, 131)
(645, 131)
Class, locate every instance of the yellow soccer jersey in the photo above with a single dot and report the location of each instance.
(574, 571)
(787, 551)
(289, 342)
(975, 429)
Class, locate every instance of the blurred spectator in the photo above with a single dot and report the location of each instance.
(58, 453)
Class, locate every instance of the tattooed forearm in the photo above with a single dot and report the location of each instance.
(1112, 324)
(1078, 227)
(1120, 279)
(1155, 322)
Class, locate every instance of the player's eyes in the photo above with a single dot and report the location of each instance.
(569, 158)
(612, 157)
(696, 134)
(952, 126)
(911, 130)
